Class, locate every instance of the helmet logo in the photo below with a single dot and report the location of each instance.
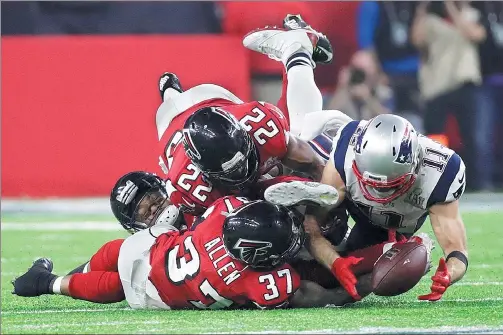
(360, 133)
(252, 251)
(405, 152)
(127, 192)
(190, 148)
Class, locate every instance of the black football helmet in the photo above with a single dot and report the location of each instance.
(263, 235)
(135, 189)
(221, 148)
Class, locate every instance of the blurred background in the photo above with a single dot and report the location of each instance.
(79, 79)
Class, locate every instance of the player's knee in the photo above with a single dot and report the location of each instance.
(107, 257)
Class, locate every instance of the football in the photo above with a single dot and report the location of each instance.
(399, 269)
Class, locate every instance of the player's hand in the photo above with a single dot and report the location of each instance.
(392, 237)
(341, 270)
(441, 281)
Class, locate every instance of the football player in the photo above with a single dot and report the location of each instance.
(235, 257)
(138, 201)
(213, 144)
(390, 179)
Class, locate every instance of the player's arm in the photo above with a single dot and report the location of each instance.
(319, 247)
(450, 232)
(448, 228)
(301, 157)
(310, 294)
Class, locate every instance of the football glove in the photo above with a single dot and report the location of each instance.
(341, 270)
(441, 281)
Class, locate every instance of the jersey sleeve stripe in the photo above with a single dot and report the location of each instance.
(441, 190)
(322, 145)
(341, 148)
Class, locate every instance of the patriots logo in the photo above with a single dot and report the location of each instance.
(252, 251)
(405, 152)
(190, 149)
(359, 133)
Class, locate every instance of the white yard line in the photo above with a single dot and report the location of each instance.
(362, 330)
(474, 202)
(479, 283)
(386, 330)
(57, 311)
(52, 226)
(94, 310)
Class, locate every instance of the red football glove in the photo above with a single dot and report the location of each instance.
(441, 281)
(341, 270)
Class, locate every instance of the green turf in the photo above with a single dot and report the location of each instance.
(477, 303)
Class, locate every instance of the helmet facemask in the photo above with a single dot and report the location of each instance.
(379, 189)
(239, 172)
(152, 207)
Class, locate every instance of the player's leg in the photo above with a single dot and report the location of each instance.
(95, 286)
(294, 48)
(169, 86)
(105, 259)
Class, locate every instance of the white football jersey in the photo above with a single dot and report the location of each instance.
(441, 179)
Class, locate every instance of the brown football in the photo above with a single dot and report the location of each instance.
(399, 269)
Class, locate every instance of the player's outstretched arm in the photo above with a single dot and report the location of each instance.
(311, 294)
(451, 236)
(324, 252)
(319, 247)
(301, 157)
(450, 231)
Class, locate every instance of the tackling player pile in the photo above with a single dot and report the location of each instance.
(227, 252)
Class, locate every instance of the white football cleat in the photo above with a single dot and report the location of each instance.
(301, 192)
(279, 44)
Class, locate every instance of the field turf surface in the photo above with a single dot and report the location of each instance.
(474, 305)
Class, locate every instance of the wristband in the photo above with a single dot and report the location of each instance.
(459, 255)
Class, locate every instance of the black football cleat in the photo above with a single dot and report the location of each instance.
(169, 80)
(322, 53)
(36, 281)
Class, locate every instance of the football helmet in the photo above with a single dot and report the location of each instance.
(221, 148)
(139, 200)
(263, 235)
(386, 158)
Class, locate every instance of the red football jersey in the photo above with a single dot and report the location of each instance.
(187, 188)
(192, 269)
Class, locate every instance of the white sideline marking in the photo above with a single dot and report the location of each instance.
(486, 266)
(79, 310)
(52, 226)
(93, 310)
(458, 300)
(479, 283)
(384, 330)
(73, 324)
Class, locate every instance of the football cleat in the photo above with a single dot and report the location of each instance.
(300, 193)
(279, 44)
(169, 80)
(36, 281)
(323, 52)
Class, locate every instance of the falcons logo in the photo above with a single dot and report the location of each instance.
(190, 148)
(251, 251)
